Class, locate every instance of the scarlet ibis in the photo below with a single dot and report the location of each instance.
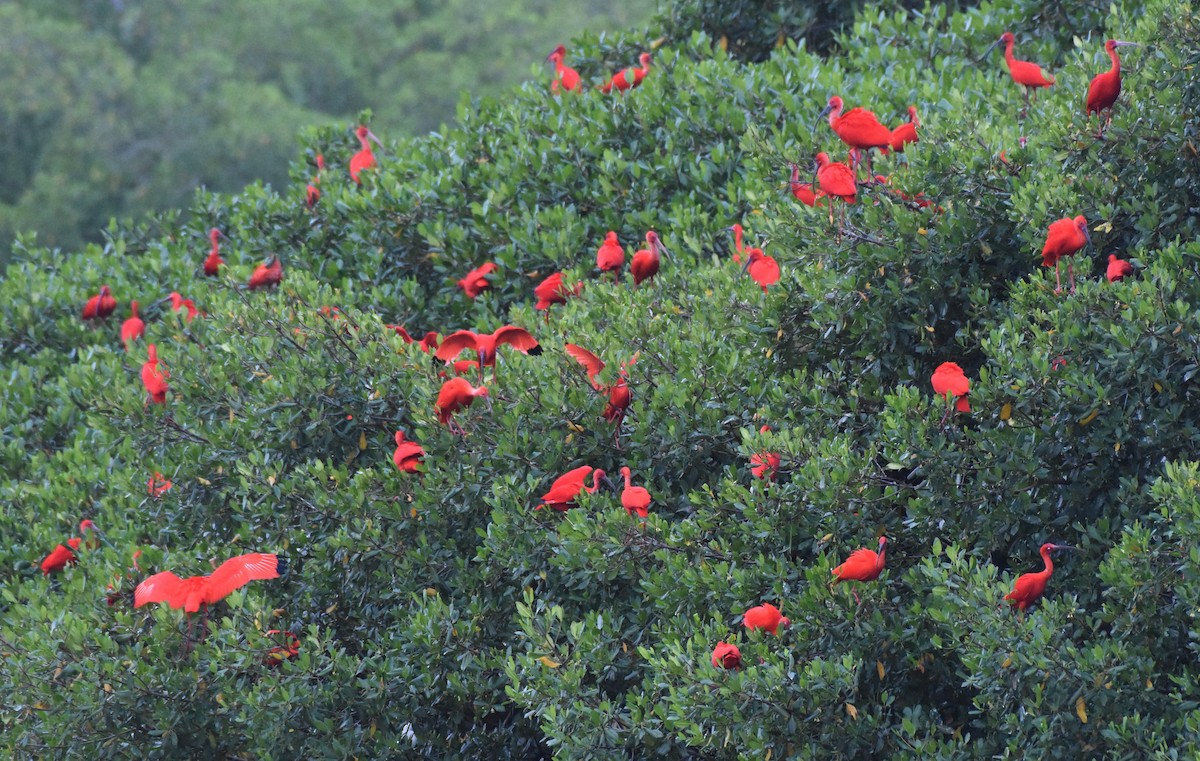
(428, 343)
(726, 656)
(266, 275)
(288, 647)
(178, 303)
(858, 128)
(364, 159)
(212, 264)
(154, 378)
(564, 75)
(408, 454)
(1064, 238)
(1118, 269)
(456, 394)
(837, 181)
(461, 367)
(312, 193)
(566, 488)
(1028, 75)
(486, 345)
(158, 485)
(133, 328)
(763, 269)
(949, 381)
(804, 191)
(610, 257)
(552, 291)
(907, 132)
(634, 498)
(738, 249)
(626, 79)
(1030, 586)
(765, 465)
(99, 306)
(61, 556)
(645, 262)
(862, 565)
(765, 616)
(619, 396)
(476, 281)
(88, 530)
(1105, 87)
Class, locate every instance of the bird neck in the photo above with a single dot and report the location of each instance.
(1008, 53)
(1049, 569)
(880, 558)
(1116, 62)
(737, 238)
(628, 480)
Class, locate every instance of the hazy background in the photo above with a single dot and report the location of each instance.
(117, 107)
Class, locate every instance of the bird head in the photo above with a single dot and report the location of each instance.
(644, 60)
(822, 159)
(912, 113)
(1081, 223)
(215, 235)
(1005, 39)
(835, 103)
(882, 543)
(320, 161)
(1112, 45)
(74, 542)
(399, 437)
(104, 291)
(656, 244)
(1049, 547)
(557, 54)
(86, 525)
(611, 239)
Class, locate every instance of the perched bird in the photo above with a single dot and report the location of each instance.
(212, 264)
(456, 394)
(288, 647)
(726, 656)
(1105, 87)
(619, 396)
(564, 75)
(158, 485)
(133, 328)
(907, 132)
(312, 193)
(552, 291)
(1065, 237)
(179, 303)
(857, 128)
(408, 454)
(154, 378)
(627, 79)
(804, 192)
(645, 262)
(99, 306)
(1030, 586)
(1118, 269)
(266, 275)
(765, 616)
(738, 248)
(765, 465)
(836, 180)
(610, 257)
(566, 488)
(428, 343)
(1028, 75)
(487, 344)
(862, 565)
(365, 158)
(763, 269)
(949, 381)
(61, 556)
(634, 498)
(476, 280)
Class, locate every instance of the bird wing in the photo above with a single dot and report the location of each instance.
(591, 363)
(765, 271)
(456, 343)
(240, 571)
(518, 338)
(161, 587)
(570, 479)
(859, 565)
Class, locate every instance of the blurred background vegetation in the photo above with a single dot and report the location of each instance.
(118, 107)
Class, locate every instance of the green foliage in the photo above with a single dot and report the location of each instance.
(443, 615)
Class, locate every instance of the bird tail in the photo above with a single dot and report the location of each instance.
(281, 565)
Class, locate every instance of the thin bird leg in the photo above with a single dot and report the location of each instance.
(857, 599)
(949, 404)
(1057, 279)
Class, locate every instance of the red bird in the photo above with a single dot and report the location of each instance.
(1106, 86)
(634, 498)
(428, 344)
(858, 128)
(60, 557)
(765, 616)
(408, 454)
(738, 248)
(837, 180)
(1118, 269)
(763, 269)
(1030, 586)
(87, 528)
(610, 257)
(907, 132)
(619, 396)
(1064, 238)
(461, 367)
(626, 79)
(456, 394)
(154, 378)
(158, 485)
(178, 303)
(312, 193)
(862, 565)
(1029, 75)
(290, 647)
(645, 262)
(194, 591)
(726, 656)
(101, 305)
(266, 275)
(364, 159)
(133, 328)
(566, 488)
(803, 191)
(552, 291)
(476, 281)
(951, 382)
(765, 465)
(486, 345)
(212, 265)
(564, 75)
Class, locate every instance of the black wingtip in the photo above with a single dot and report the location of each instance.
(281, 565)
(536, 350)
